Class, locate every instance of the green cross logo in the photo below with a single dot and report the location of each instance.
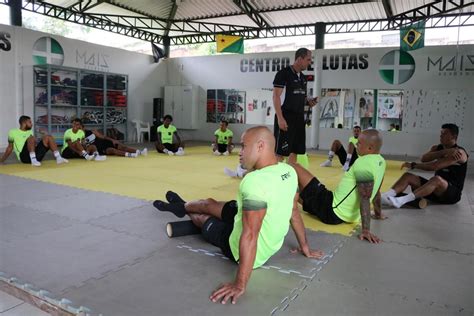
(396, 67)
(47, 51)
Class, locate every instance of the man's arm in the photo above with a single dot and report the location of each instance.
(177, 137)
(277, 104)
(251, 224)
(158, 138)
(229, 141)
(297, 225)
(441, 163)
(7, 152)
(365, 191)
(432, 154)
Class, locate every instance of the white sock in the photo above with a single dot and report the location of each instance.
(400, 201)
(137, 152)
(96, 153)
(56, 154)
(128, 155)
(390, 192)
(349, 157)
(180, 149)
(33, 156)
(84, 153)
(330, 155)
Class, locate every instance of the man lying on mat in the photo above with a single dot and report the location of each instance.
(252, 229)
(351, 199)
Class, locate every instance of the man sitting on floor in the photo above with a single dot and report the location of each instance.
(23, 143)
(109, 146)
(348, 158)
(223, 142)
(169, 141)
(73, 147)
(447, 160)
(350, 201)
(252, 229)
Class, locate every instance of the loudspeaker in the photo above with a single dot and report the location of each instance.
(158, 109)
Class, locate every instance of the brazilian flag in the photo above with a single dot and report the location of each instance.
(412, 37)
(230, 44)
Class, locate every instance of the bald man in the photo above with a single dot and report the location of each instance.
(252, 229)
(350, 201)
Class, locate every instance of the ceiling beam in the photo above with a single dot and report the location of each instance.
(388, 8)
(252, 13)
(171, 16)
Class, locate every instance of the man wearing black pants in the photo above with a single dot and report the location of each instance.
(289, 126)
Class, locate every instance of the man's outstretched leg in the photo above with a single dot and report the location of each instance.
(336, 145)
(407, 179)
(435, 185)
(47, 143)
(180, 208)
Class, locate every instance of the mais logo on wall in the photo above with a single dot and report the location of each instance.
(396, 67)
(47, 50)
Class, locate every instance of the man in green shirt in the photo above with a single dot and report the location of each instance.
(223, 142)
(74, 145)
(251, 229)
(348, 158)
(169, 141)
(23, 143)
(350, 201)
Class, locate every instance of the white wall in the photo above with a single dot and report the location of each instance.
(146, 79)
(434, 75)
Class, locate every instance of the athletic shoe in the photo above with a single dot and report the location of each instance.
(144, 152)
(180, 151)
(133, 155)
(226, 153)
(89, 157)
(61, 160)
(100, 158)
(217, 153)
(36, 163)
(327, 163)
(230, 173)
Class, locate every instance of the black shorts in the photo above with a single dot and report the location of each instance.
(317, 200)
(102, 146)
(68, 153)
(170, 147)
(294, 139)
(342, 155)
(40, 152)
(222, 148)
(452, 195)
(217, 231)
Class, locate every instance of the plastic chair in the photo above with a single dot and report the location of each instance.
(141, 127)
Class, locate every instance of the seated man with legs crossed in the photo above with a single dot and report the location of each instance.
(23, 143)
(350, 201)
(73, 146)
(109, 146)
(223, 142)
(168, 141)
(447, 160)
(348, 158)
(252, 229)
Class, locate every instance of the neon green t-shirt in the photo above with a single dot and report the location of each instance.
(354, 141)
(346, 199)
(223, 137)
(18, 138)
(274, 188)
(166, 133)
(70, 135)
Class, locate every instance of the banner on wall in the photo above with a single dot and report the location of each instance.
(389, 106)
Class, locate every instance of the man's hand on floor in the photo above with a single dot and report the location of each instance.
(307, 252)
(226, 292)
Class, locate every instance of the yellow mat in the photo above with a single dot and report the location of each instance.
(198, 174)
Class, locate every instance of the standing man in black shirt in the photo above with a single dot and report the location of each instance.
(289, 126)
(447, 160)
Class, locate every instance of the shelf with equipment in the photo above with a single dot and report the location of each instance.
(61, 94)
